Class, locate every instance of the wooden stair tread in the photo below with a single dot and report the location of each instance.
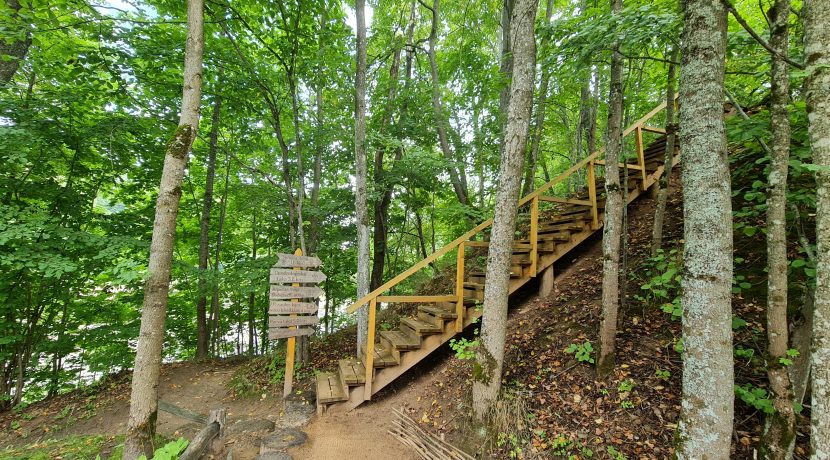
(421, 327)
(352, 371)
(438, 311)
(329, 389)
(401, 340)
(382, 357)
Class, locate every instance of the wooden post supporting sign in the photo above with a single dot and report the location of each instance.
(287, 317)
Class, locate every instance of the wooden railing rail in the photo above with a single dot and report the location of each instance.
(459, 244)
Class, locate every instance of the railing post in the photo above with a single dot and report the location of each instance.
(534, 235)
(641, 159)
(592, 195)
(459, 289)
(370, 350)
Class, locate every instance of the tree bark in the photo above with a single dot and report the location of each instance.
(490, 354)
(705, 425)
(202, 333)
(144, 394)
(540, 115)
(668, 158)
(816, 16)
(458, 185)
(319, 146)
(779, 429)
(252, 294)
(361, 195)
(505, 65)
(13, 52)
(612, 226)
(215, 308)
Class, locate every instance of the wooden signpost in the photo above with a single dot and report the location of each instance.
(287, 312)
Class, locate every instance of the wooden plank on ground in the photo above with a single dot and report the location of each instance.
(281, 333)
(294, 292)
(291, 260)
(284, 307)
(286, 321)
(287, 275)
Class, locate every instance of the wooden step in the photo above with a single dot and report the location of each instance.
(421, 327)
(545, 244)
(438, 312)
(400, 340)
(570, 218)
(520, 259)
(568, 227)
(352, 372)
(329, 389)
(383, 357)
(428, 318)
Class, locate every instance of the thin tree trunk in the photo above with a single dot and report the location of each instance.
(298, 145)
(706, 420)
(668, 158)
(490, 353)
(319, 146)
(215, 310)
(440, 120)
(505, 65)
(252, 294)
(540, 115)
(12, 52)
(382, 203)
(144, 394)
(613, 215)
(361, 194)
(202, 332)
(816, 16)
(779, 429)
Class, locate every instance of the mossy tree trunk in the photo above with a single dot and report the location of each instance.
(705, 425)
(816, 16)
(490, 354)
(141, 424)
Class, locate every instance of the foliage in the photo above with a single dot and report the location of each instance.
(582, 352)
(755, 397)
(661, 282)
(169, 451)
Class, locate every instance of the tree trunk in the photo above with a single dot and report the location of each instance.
(252, 294)
(540, 115)
(385, 199)
(361, 194)
(440, 120)
(613, 214)
(705, 425)
(505, 65)
(215, 308)
(298, 145)
(779, 429)
(14, 51)
(816, 16)
(668, 158)
(319, 146)
(202, 333)
(144, 395)
(490, 354)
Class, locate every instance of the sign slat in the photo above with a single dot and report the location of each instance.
(282, 307)
(282, 333)
(287, 275)
(286, 321)
(290, 260)
(294, 292)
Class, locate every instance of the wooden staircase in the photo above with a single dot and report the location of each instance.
(553, 226)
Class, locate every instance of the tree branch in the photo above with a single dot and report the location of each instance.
(731, 8)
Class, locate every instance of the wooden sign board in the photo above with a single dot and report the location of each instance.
(287, 275)
(291, 261)
(282, 307)
(282, 333)
(287, 321)
(295, 292)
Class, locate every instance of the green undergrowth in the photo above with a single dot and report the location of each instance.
(88, 448)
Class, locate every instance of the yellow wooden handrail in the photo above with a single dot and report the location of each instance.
(588, 161)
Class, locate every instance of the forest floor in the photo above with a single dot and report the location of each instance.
(555, 406)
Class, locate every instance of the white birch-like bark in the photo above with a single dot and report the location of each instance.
(361, 194)
(612, 227)
(816, 15)
(144, 395)
(706, 419)
(490, 354)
